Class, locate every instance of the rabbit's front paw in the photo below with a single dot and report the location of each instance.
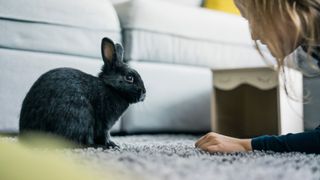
(111, 145)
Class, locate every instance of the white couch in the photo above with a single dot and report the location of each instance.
(175, 48)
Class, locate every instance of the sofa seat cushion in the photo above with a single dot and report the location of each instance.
(73, 27)
(164, 32)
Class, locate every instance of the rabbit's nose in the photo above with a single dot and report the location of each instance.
(142, 97)
(142, 91)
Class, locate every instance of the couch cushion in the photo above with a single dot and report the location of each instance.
(165, 32)
(57, 26)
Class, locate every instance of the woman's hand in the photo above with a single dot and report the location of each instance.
(213, 142)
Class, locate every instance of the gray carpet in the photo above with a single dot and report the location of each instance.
(175, 158)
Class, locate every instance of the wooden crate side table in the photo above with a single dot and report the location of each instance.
(253, 102)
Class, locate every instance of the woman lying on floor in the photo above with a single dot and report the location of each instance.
(284, 26)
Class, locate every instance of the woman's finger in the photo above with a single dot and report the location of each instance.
(205, 145)
(208, 137)
(213, 149)
(201, 140)
(210, 141)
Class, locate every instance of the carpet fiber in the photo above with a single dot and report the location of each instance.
(175, 158)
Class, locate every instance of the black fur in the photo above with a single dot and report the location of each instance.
(80, 107)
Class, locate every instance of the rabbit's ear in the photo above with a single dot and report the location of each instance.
(108, 51)
(112, 54)
(119, 52)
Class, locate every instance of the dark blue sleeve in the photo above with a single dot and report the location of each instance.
(307, 142)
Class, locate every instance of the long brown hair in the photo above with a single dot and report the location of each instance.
(303, 17)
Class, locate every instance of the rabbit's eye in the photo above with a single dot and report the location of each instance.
(129, 78)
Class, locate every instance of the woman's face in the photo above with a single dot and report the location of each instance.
(284, 30)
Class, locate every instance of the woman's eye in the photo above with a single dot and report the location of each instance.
(129, 78)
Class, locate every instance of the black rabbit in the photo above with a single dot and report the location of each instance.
(80, 107)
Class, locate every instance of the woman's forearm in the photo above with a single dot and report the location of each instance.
(246, 143)
(307, 142)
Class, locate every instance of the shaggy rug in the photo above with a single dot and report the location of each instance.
(173, 157)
